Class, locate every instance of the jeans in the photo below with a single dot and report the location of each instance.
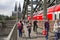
(20, 33)
(47, 33)
(47, 36)
(29, 31)
(56, 36)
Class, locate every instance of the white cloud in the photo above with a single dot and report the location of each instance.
(4, 1)
(5, 12)
(6, 6)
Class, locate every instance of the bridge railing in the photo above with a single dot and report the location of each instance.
(13, 34)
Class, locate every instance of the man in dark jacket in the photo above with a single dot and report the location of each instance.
(35, 26)
(47, 26)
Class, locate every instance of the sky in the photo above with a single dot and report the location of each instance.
(7, 6)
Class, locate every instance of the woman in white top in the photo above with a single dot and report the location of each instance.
(56, 29)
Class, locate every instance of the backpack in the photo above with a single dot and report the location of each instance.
(19, 26)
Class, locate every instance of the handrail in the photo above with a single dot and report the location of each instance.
(11, 33)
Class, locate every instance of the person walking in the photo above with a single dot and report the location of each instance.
(35, 26)
(29, 29)
(57, 29)
(20, 28)
(47, 26)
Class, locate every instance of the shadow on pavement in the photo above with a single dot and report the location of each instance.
(33, 37)
(38, 33)
(30, 37)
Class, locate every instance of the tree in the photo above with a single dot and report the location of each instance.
(6, 18)
(12, 18)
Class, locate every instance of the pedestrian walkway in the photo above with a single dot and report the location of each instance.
(34, 35)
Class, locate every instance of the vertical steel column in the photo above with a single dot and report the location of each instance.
(57, 2)
(57, 15)
(45, 9)
(27, 9)
(27, 12)
(31, 10)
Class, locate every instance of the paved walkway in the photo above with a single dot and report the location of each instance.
(34, 36)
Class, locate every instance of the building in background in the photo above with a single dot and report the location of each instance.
(17, 11)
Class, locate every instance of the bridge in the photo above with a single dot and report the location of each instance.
(10, 32)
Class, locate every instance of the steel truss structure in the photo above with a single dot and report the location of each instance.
(37, 5)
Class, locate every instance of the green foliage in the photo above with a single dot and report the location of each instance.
(2, 17)
(7, 18)
(12, 18)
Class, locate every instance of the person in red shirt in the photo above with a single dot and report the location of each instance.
(20, 28)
